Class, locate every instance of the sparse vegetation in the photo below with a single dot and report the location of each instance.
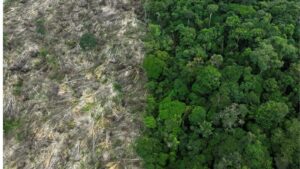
(40, 26)
(117, 87)
(43, 53)
(71, 43)
(88, 41)
(53, 64)
(8, 3)
(88, 107)
(17, 87)
(56, 48)
(10, 125)
(5, 40)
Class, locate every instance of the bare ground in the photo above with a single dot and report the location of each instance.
(75, 109)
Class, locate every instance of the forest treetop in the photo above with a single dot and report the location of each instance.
(223, 82)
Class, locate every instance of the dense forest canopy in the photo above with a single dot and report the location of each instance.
(223, 82)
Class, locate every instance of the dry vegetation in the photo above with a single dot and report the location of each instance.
(72, 100)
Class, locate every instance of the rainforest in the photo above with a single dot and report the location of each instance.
(223, 84)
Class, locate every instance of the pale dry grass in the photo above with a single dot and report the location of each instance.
(80, 121)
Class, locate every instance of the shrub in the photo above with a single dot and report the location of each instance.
(17, 87)
(10, 125)
(40, 26)
(88, 41)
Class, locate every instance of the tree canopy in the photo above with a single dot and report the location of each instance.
(223, 85)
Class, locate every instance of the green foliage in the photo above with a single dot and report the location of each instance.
(72, 44)
(88, 41)
(17, 87)
(286, 144)
(270, 114)
(265, 57)
(52, 63)
(40, 26)
(117, 87)
(212, 8)
(171, 109)
(233, 116)
(233, 21)
(10, 125)
(180, 89)
(89, 106)
(150, 122)
(232, 73)
(208, 79)
(153, 66)
(223, 85)
(255, 151)
(187, 35)
(43, 53)
(154, 30)
(216, 60)
(151, 148)
(198, 115)
(9, 3)
(242, 9)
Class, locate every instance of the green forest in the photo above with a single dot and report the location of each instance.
(223, 84)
